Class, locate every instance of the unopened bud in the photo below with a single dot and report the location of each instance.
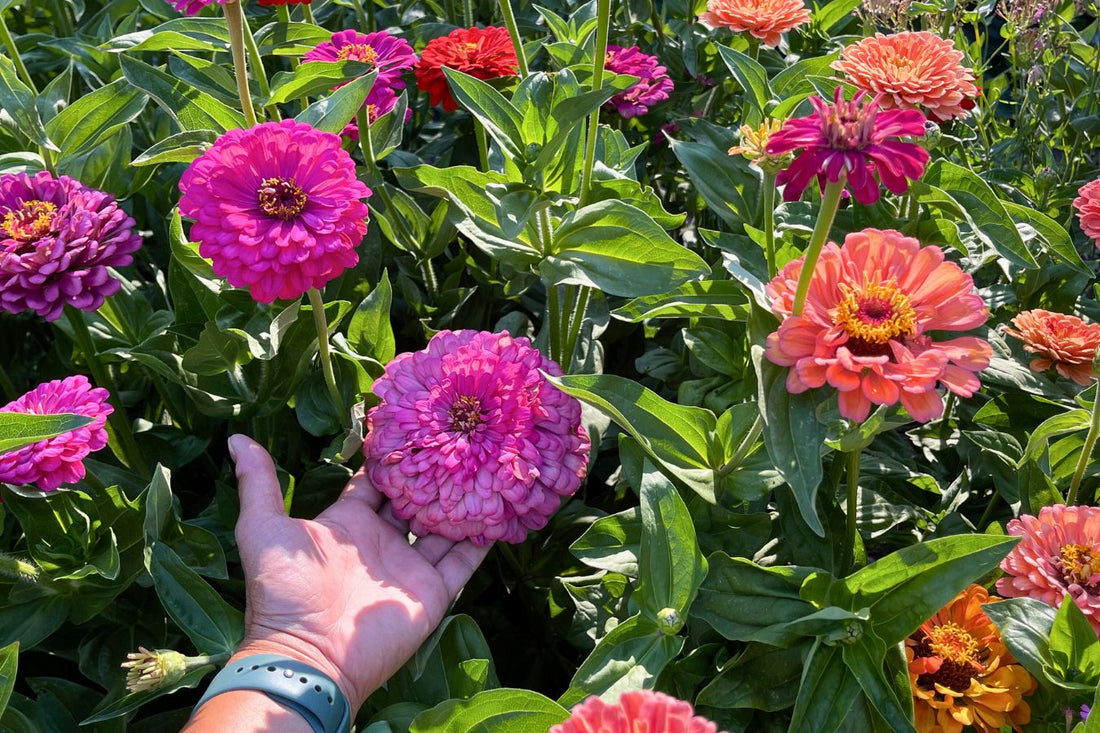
(669, 621)
(932, 136)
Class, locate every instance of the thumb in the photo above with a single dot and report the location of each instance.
(261, 498)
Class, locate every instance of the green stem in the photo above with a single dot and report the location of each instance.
(372, 23)
(754, 48)
(468, 13)
(431, 282)
(325, 356)
(16, 59)
(1086, 449)
(768, 200)
(307, 13)
(945, 421)
(830, 202)
(120, 423)
(62, 17)
(852, 507)
(482, 145)
(575, 323)
(234, 19)
(599, 58)
(912, 210)
(517, 40)
(258, 66)
(19, 569)
(553, 314)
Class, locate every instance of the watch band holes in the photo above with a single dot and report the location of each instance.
(303, 680)
(255, 667)
(330, 699)
(317, 688)
(240, 669)
(270, 669)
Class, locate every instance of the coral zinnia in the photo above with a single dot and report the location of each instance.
(652, 86)
(864, 330)
(636, 711)
(1087, 204)
(57, 239)
(471, 441)
(911, 69)
(961, 673)
(1058, 556)
(388, 55)
(767, 20)
(852, 139)
(484, 53)
(1061, 341)
(276, 207)
(59, 460)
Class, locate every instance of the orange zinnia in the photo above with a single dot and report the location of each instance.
(764, 19)
(961, 673)
(1061, 341)
(911, 70)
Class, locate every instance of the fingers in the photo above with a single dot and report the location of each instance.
(387, 515)
(459, 564)
(360, 489)
(258, 485)
(433, 547)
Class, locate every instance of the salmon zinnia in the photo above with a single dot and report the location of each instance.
(637, 710)
(1058, 340)
(865, 328)
(961, 674)
(1087, 204)
(767, 20)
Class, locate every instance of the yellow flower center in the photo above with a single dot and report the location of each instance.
(281, 198)
(30, 222)
(952, 644)
(875, 313)
(465, 414)
(357, 52)
(1078, 563)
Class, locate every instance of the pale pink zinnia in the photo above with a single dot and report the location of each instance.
(277, 208)
(767, 20)
(637, 711)
(653, 84)
(52, 462)
(1058, 556)
(866, 326)
(471, 440)
(1087, 204)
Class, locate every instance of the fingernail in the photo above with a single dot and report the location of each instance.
(233, 447)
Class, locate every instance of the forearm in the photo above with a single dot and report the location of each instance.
(245, 711)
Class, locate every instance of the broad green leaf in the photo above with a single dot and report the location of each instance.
(832, 13)
(492, 711)
(1061, 424)
(1074, 646)
(723, 299)
(312, 78)
(183, 147)
(761, 677)
(1052, 233)
(612, 543)
(114, 707)
(9, 662)
(191, 108)
(17, 99)
(792, 81)
(750, 75)
(865, 658)
(334, 112)
(727, 183)
(492, 109)
(1025, 626)
(30, 622)
(18, 429)
(827, 692)
(95, 117)
(369, 331)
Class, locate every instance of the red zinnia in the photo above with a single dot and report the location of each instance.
(484, 53)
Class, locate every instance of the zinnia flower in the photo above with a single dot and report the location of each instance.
(1087, 204)
(388, 55)
(652, 87)
(871, 306)
(853, 139)
(961, 673)
(767, 20)
(1061, 341)
(192, 7)
(911, 69)
(57, 239)
(754, 145)
(1058, 556)
(59, 460)
(276, 207)
(636, 711)
(484, 53)
(471, 441)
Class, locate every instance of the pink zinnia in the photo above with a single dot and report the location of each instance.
(1087, 204)
(852, 139)
(388, 55)
(1058, 556)
(471, 440)
(57, 239)
(277, 208)
(59, 460)
(766, 20)
(871, 306)
(636, 711)
(652, 87)
(192, 7)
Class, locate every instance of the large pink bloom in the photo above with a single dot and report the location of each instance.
(471, 441)
(276, 207)
(653, 84)
(60, 460)
(386, 54)
(57, 239)
(871, 306)
(637, 711)
(855, 139)
(1058, 556)
(1087, 204)
(767, 20)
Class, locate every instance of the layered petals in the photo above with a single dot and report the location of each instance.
(652, 87)
(1064, 342)
(637, 711)
(484, 53)
(1087, 205)
(766, 20)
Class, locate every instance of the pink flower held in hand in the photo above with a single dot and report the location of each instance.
(864, 329)
(59, 460)
(767, 20)
(652, 87)
(855, 139)
(638, 711)
(471, 441)
(1058, 556)
(277, 208)
(57, 239)
(1087, 204)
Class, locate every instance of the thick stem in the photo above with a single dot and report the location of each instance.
(19, 569)
(599, 59)
(234, 19)
(307, 13)
(468, 13)
(16, 59)
(431, 282)
(482, 145)
(768, 202)
(575, 323)
(830, 202)
(517, 40)
(120, 423)
(553, 314)
(1086, 449)
(258, 71)
(754, 48)
(852, 507)
(325, 356)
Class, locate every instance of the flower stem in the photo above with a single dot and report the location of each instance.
(18, 569)
(1086, 449)
(517, 40)
(553, 314)
(599, 59)
(307, 13)
(234, 19)
(468, 13)
(482, 145)
(754, 48)
(120, 423)
(325, 356)
(769, 222)
(13, 52)
(852, 506)
(431, 282)
(257, 66)
(830, 202)
(575, 323)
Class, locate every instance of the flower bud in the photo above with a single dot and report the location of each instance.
(669, 621)
(152, 670)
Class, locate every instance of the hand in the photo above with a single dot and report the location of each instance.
(345, 592)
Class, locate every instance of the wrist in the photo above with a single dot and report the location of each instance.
(288, 645)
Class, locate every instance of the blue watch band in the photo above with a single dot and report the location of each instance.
(302, 688)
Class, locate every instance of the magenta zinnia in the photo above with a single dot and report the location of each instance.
(192, 7)
(652, 86)
(277, 208)
(50, 463)
(855, 139)
(637, 711)
(57, 239)
(386, 54)
(471, 440)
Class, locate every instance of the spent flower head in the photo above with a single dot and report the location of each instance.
(754, 143)
(153, 670)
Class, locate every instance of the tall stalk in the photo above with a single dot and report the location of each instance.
(517, 41)
(768, 202)
(1086, 449)
(830, 202)
(13, 52)
(324, 354)
(234, 19)
(599, 58)
(852, 507)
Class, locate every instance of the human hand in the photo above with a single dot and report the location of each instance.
(345, 592)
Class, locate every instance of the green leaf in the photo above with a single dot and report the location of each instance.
(312, 78)
(17, 99)
(1067, 422)
(749, 74)
(727, 183)
(18, 429)
(827, 692)
(492, 109)
(612, 543)
(191, 108)
(723, 299)
(334, 112)
(762, 677)
(95, 117)
(492, 711)
(1052, 234)
(183, 147)
(9, 662)
(865, 660)
(1074, 646)
(369, 331)
(113, 708)
(1025, 626)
